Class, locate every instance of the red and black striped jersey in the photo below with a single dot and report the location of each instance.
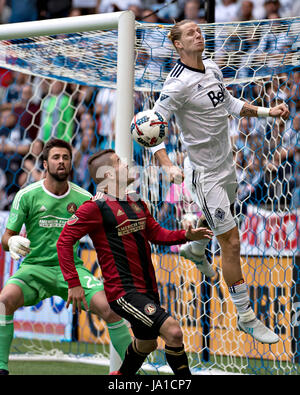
(120, 230)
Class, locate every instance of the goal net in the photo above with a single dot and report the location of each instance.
(66, 84)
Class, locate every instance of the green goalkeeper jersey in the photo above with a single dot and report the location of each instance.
(44, 215)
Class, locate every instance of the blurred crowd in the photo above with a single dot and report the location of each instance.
(165, 10)
(34, 109)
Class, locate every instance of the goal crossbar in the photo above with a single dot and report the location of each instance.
(50, 27)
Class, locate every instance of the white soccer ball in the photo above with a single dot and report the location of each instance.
(149, 128)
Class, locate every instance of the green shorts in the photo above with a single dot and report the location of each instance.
(41, 282)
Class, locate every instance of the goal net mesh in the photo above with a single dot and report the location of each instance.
(64, 85)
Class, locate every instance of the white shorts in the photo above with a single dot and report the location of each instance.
(215, 193)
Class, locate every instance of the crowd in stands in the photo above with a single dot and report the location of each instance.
(225, 11)
(34, 109)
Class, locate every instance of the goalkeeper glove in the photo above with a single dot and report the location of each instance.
(18, 246)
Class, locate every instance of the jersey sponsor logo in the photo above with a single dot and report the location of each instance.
(50, 221)
(150, 309)
(72, 220)
(131, 226)
(217, 97)
(71, 208)
(220, 214)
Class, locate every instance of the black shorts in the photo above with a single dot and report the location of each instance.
(144, 313)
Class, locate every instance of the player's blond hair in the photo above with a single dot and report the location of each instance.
(176, 32)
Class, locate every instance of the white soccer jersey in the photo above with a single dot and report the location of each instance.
(201, 105)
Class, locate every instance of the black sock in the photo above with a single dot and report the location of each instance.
(178, 361)
(133, 360)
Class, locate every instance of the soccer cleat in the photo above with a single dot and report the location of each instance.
(258, 330)
(4, 372)
(115, 373)
(199, 260)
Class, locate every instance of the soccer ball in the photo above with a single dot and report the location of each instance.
(149, 128)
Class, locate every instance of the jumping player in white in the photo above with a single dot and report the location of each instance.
(195, 93)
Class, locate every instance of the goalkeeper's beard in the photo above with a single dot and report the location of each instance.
(59, 177)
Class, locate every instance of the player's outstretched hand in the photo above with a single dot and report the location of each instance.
(18, 246)
(174, 173)
(177, 175)
(76, 297)
(194, 234)
(281, 110)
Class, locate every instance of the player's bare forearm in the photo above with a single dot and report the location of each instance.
(175, 173)
(163, 158)
(280, 111)
(248, 110)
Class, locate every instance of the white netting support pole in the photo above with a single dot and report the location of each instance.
(125, 85)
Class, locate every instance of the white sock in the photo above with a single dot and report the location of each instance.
(240, 297)
(198, 247)
(115, 360)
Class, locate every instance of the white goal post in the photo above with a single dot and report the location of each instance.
(124, 22)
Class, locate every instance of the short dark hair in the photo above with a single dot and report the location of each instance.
(99, 154)
(103, 162)
(55, 143)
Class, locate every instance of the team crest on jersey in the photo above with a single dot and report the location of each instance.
(71, 207)
(150, 309)
(220, 214)
(72, 220)
(136, 208)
